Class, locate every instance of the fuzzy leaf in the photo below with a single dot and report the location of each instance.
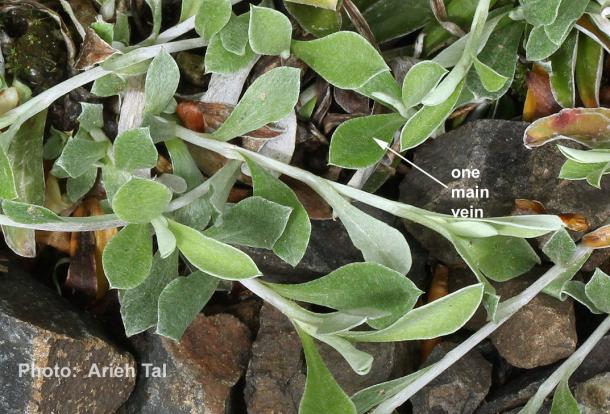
(211, 17)
(352, 144)
(79, 155)
(91, 116)
(589, 65)
(540, 12)
(560, 247)
(211, 256)
(598, 291)
(220, 60)
(420, 80)
(234, 36)
(109, 85)
(161, 83)
(28, 213)
(563, 63)
(319, 22)
(269, 32)
(328, 58)
(517, 257)
(166, 241)
(181, 301)
(127, 258)
(270, 98)
(134, 149)
(563, 400)
(491, 80)
(76, 188)
(140, 200)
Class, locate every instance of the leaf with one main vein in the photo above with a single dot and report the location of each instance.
(220, 60)
(234, 36)
(28, 213)
(438, 318)
(560, 247)
(359, 288)
(576, 290)
(540, 12)
(584, 156)
(344, 59)
(323, 4)
(563, 63)
(139, 305)
(588, 71)
(572, 170)
(211, 256)
(8, 190)
(384, 89)
(361, 362)
(91, 116)
(270, 32)
(539, 46)
(134, 149)
(491, 80)
(378, 241)
(556, 287)
(211, 17)
(319, 22)
(166, 241)
(598, 290)
(140, 200)
(322, 394)
(181, 301)
(270, 98)
(162, 80)
(352, 144)
(420, 80)
(427, 120)
(569, 12)
(254, 222)
(79, 155)
(390, 19)
(594, 178)
(526, 226)
(189, 8)
(517, 256)
(127, 258)
(155, 8)
(220, 187)
(563, 400)
(499, 53)
(292, 244)
(76, 188)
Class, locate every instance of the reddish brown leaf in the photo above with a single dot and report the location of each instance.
(539, 101)
(94, 50)
(598, 239)
(575, 221)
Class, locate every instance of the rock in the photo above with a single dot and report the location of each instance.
(520, 389)
(275, 385)
(508, 170)
(42, 330)
(460, 389)
(200, 370)
(594, 394)
(542, 332)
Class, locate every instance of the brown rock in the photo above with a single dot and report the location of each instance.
(201, 369)
(41, 330)
(542, 332)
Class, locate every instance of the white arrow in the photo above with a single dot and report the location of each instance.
(385, 146)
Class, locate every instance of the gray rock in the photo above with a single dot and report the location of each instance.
(594, 394)
(542, 332)
(460, 389)
(276, 375)
(38, 328)
(508, 170)
(200, 370)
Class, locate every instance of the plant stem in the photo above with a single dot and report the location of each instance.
(505, 311)
(566, 369)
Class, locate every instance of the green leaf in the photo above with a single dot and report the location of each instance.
(134, 149)
(576, 290)
(270, 98)
(8, 190)
(598, 291)
(323, 4)
(165, 238)
(109, 85)
(572, 170)
(139, 305)
(439, 318)
(589, 65)
(140, 200)
(390, 19)
(79, 155)
(122, 30)
(220, 60)
(491, 80)
(234, 36)
(221, 184)
(379, 242)
(91, 116)
(76, 188)
(517, 257)
(540, 12)
(563, 400)
(211, 256)
(155, 8)
(161, 83)
(254, 222)
(569, 12)
(539, 46)
(54, 144)
(359, 289)
(328, 58)
(104, 30)
(427, 120)
(269, 32)
(113, 179)
(181, 301)
(291, 246)
(322, 394)
(587, 157)
(420, 80)
(319, 22)
(352, 144)
(560, 247)
(28, 213)
(499, 53)
(189, 8)
(212, 16)
(127, 258)
(563, 64)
